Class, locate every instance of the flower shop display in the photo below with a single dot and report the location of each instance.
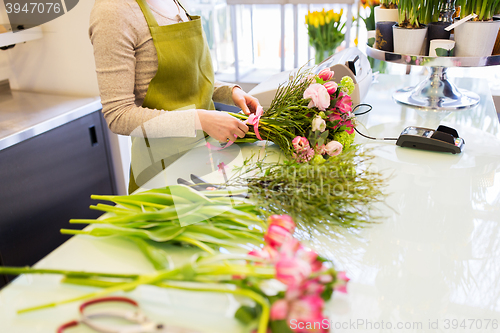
(287, 282)
(409, 34)
(476, 38)
(326, 32)
(387, 11)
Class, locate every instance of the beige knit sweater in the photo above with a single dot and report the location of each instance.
(126, 62)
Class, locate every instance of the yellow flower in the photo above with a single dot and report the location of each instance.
(356, 41)
(307, 20)
(365, 3)
(331, 15)
(321, 19)
(315, 21)
(336, 17)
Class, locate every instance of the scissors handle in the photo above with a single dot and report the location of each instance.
(108, 299)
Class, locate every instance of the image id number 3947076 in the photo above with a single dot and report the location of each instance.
(470, 324)
(33, 7)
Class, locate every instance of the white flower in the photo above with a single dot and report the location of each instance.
(318, 124)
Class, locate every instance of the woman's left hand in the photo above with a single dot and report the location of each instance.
(244, 101)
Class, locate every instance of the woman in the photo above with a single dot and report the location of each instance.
(156, 82)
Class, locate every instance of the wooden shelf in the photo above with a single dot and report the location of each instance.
(9, 38)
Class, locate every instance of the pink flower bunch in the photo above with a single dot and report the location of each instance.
(342, 113)
(320, 94)
(304, 274)
(303, 151)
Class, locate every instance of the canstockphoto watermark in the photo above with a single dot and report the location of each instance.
(356, 324)
(25, 14)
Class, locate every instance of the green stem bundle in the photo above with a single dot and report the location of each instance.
(201, 273)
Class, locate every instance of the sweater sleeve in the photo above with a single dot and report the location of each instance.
(115, 38)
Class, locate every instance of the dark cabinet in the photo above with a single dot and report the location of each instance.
(47, 180)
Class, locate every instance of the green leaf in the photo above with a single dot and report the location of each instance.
(246, 314)
(280, 326)
(440, 52)
(156, 256)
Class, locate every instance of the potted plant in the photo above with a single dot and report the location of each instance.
(476, 38)
(409, 33)
(387, 11)
(437, 15)
(325, 32)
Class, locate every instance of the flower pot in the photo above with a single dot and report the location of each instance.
(384, 36)
(409, 41)
(476, 39)
(385, 14)
(435, 30)
(442, 48)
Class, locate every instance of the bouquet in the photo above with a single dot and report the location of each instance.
(310, 118)
(325, 32)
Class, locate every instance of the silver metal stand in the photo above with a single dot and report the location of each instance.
(436, 92)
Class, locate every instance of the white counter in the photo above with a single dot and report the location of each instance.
(435, 257)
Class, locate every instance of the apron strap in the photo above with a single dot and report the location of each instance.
(148, 14)
(185, 11)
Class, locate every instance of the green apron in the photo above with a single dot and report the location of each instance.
(184, 80)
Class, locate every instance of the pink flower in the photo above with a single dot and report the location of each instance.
(321, 149)
(304, 156)
(283, 221)
(341, 283)
(319, 96)
(276, 236)
(310, 257)
(307, 309)
(300, 144)
(289, 248)
(318, 124)
(326, 74)
(279, 310)
(333, 148)
(292, 271)
(313, 288)
(331, 87)
(268, 253)
(344, 103)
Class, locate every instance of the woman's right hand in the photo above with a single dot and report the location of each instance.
(221, 126)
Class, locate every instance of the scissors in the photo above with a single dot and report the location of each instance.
(137, 320)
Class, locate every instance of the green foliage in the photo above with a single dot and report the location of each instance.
(319, 197)
(485, 9)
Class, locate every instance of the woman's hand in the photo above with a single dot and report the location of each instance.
(244, 101)
(221, 126)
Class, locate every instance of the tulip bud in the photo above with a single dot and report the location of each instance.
(326, 74)
(283, 221)
(331, 87)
